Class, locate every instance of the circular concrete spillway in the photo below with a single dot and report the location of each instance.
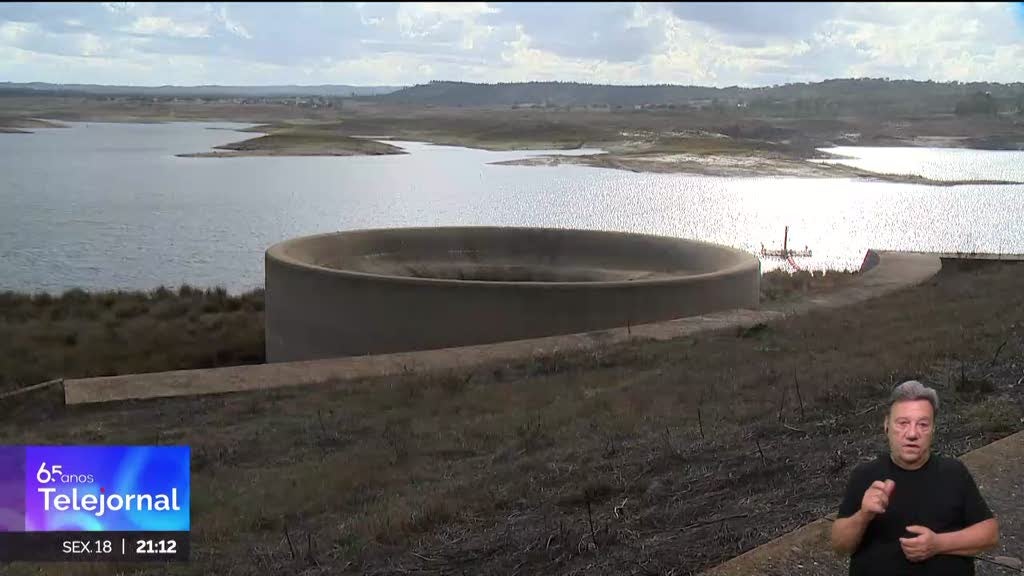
(403, 289)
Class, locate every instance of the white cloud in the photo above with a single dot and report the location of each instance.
(13, 33)
(232, 26)
(453, 10)
(939, 41)
(118, 7)
(165, 26)
(91, 45)
(371, 43)
(454, 23)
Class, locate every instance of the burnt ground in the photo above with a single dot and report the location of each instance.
(998, 468)
(645, 458)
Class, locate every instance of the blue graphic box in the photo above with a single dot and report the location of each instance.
(95, 488)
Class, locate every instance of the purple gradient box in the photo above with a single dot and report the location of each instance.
(12, 489)
(94, 488)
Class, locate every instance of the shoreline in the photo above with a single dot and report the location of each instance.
(298, 140)
(704, 155)
(19, 125)
(749, 164)
(737, 167)
(695, 152)
(280, 154)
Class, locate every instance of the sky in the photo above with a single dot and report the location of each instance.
(358, 43)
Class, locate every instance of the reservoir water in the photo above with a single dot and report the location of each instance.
(111, 206)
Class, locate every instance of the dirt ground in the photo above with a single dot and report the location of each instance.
(645, 458)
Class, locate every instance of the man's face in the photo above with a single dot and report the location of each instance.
(910, 427)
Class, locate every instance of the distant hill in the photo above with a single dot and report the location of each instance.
(332, 90)
(829, 97)
(549, 93)
(821, 97)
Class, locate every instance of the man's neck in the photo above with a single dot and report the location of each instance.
(915, 466)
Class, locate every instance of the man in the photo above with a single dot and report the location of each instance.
(912, 512)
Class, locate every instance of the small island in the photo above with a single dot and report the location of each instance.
(308, 140)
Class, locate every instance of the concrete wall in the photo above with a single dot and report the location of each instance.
(380, 291)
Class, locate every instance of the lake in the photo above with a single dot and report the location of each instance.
(110, 206)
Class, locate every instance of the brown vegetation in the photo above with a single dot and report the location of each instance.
(645, 457)
(79, 334)
(778, 285)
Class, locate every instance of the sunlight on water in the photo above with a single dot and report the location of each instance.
(108, 206)
(935, 163)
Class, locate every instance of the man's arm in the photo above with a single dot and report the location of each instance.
(982, 529)
(970, 541)
(847, 532)
(981, 533)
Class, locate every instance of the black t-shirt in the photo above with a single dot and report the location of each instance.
(941, 495)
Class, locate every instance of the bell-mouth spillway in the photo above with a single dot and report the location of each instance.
(402, 289)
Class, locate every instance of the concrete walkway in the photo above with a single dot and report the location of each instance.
(882, 273)
(998, 468)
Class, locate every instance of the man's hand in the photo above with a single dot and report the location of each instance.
(921, 547)
(847, 532)
(876, 497)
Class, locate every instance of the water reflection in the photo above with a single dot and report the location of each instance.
(128, 213)
(935, 163)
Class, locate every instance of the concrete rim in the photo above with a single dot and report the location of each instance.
(893, 272)
(743, 261)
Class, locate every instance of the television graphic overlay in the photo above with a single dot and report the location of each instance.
(95, 503)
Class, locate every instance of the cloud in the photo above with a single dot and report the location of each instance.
(164, 26)
(232, 26)
(766, 20)
(118, 7)
(627, 43)
(14, 33)
(940, 42)
(613, 32)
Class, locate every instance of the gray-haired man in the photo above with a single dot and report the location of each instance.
(911, 512)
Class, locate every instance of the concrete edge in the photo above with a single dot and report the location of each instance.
(889, 271)
(283, 254)
(786, 550)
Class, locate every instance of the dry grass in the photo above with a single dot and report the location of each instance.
(707, 146)
(777, 285)
(492, 130)
(645, 457)
(79, 334)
